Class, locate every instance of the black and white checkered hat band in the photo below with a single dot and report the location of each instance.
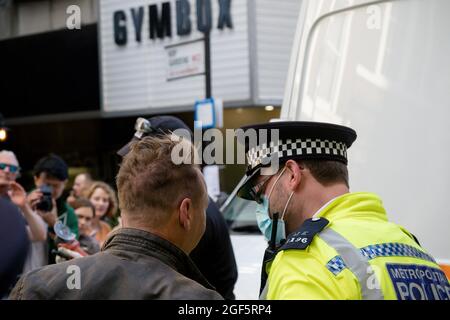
(299, 147)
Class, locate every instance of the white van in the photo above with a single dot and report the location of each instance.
(383, 68)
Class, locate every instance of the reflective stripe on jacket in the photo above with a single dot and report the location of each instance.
(358, 255)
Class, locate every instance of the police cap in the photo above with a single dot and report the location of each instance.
(298, 140)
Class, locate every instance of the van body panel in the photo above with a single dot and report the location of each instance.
(383, 68)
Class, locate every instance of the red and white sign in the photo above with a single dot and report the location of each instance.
(185, 60)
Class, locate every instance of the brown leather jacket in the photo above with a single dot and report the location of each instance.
(133, 264)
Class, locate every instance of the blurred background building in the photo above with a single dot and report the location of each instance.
(77, 92)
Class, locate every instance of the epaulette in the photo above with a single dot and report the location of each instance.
(303, 237)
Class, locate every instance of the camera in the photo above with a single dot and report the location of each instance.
(46, 203)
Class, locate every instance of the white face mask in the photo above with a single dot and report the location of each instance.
(265, 223)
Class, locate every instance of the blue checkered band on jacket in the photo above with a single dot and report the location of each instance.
(336, 265)
(394, 249)
(297, 147)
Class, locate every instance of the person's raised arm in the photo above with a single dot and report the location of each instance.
(37, 228)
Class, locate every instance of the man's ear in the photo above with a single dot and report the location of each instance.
(185, 214)
(295, 172)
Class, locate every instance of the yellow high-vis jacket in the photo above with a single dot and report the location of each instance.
(350, 250)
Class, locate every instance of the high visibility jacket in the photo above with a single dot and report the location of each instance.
(349, 250)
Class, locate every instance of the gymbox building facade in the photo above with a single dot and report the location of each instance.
(77, 92)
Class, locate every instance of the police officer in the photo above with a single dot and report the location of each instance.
(325, 242)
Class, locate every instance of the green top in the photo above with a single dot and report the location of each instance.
(67, 215)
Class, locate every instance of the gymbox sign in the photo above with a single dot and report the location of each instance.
(413, 282)
(159, 19)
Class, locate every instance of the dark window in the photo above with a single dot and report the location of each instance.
(49, 73)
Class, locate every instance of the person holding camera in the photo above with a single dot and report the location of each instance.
(50, 177)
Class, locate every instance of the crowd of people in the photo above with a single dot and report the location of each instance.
(89, 212)
(65, 228)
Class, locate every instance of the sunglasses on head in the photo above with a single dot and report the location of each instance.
(12, 168)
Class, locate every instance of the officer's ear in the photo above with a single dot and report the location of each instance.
(185, 214)
(295, 172)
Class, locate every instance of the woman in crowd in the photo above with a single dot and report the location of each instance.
(104, 199)
(85, 212)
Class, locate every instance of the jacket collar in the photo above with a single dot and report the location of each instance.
(356, 204)
(149, 244)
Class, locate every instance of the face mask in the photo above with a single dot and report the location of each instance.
(263, 219)
(265, 223)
